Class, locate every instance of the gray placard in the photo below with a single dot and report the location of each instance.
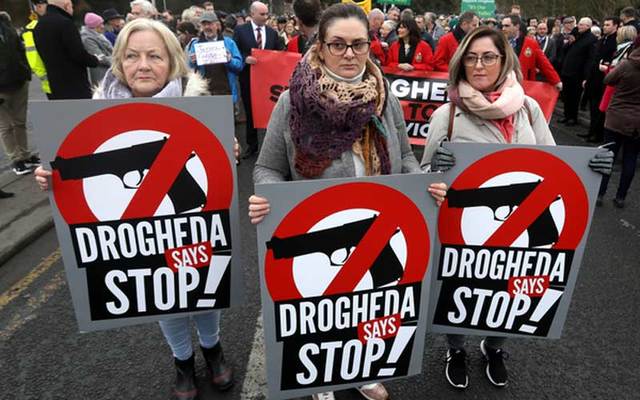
(470, 292)
(107, 195)
(308, 218)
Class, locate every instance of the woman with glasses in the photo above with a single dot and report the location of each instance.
(336, 120)
(488, 105)
(409, 52)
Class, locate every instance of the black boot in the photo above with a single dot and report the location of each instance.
(185, 379)
(221, 374)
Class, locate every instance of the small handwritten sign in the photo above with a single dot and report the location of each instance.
(211, 53)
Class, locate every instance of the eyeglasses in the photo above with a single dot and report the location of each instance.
(487, 59)
(340, 48)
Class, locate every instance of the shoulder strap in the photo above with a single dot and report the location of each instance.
(526, 106)
(452, 114)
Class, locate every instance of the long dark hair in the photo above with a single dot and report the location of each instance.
(414, 31)
(340, 11)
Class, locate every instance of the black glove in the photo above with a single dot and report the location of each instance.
(442, 160)
(602, 162)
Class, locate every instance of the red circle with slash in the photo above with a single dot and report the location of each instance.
(186, 134)
(395, 211)
(558, 179)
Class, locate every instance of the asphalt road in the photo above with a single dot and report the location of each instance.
(44, 357)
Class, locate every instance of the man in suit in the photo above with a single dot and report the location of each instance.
(60, 46)
(578, 55)
(253, 35)
(546, 42)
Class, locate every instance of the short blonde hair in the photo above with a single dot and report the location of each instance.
(389, 24)
(177, 58)
(509, 59)
(626, 33)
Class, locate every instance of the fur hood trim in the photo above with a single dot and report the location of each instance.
(196, 85)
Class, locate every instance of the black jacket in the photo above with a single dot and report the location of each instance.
(605, 47)
(60, 47)
(14, 69)
(578, 55)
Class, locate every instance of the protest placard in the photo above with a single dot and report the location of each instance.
(343, 265)
(144, 201)
(211, 53)
(511, 233)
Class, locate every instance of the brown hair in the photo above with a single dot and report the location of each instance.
(340, 11)
(509, 59)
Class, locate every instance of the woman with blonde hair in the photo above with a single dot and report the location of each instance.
(148, 61)
(624, 38)
(488, 105)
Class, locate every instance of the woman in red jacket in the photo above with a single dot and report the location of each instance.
(410, 52)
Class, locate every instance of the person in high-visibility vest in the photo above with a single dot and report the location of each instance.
(35, 62)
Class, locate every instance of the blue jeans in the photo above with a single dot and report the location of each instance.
(177, 331)
(630, 149)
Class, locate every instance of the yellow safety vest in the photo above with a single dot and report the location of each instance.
(35, 62)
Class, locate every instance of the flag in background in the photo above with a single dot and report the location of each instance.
(364, 4)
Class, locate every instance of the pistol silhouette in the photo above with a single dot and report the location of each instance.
(385, 269)
(185, 193)
(543, 230)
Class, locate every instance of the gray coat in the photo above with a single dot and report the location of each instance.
(95, 43)
(471, 129)
(276, 160)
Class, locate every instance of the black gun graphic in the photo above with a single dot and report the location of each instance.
(185, 193)
(542, 232)
(385, 269)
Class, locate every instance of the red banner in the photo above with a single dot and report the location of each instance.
(419, 92)
(269, 77)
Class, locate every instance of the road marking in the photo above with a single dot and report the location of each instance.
(29, 311)
(629, 225)
(255, 380)
(15, 290)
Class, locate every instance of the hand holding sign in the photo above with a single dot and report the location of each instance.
(258, 208)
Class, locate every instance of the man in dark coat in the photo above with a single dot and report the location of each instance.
(253, 35)
(594, 88)
(60, 47)
(629, 17)
(575, 68)
(562, 41)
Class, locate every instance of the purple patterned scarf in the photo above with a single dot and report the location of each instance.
(324, 124)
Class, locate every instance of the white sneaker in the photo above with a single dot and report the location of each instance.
(324, 396)
(373, 391)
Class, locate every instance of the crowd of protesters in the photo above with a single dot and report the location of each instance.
(582, 58)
